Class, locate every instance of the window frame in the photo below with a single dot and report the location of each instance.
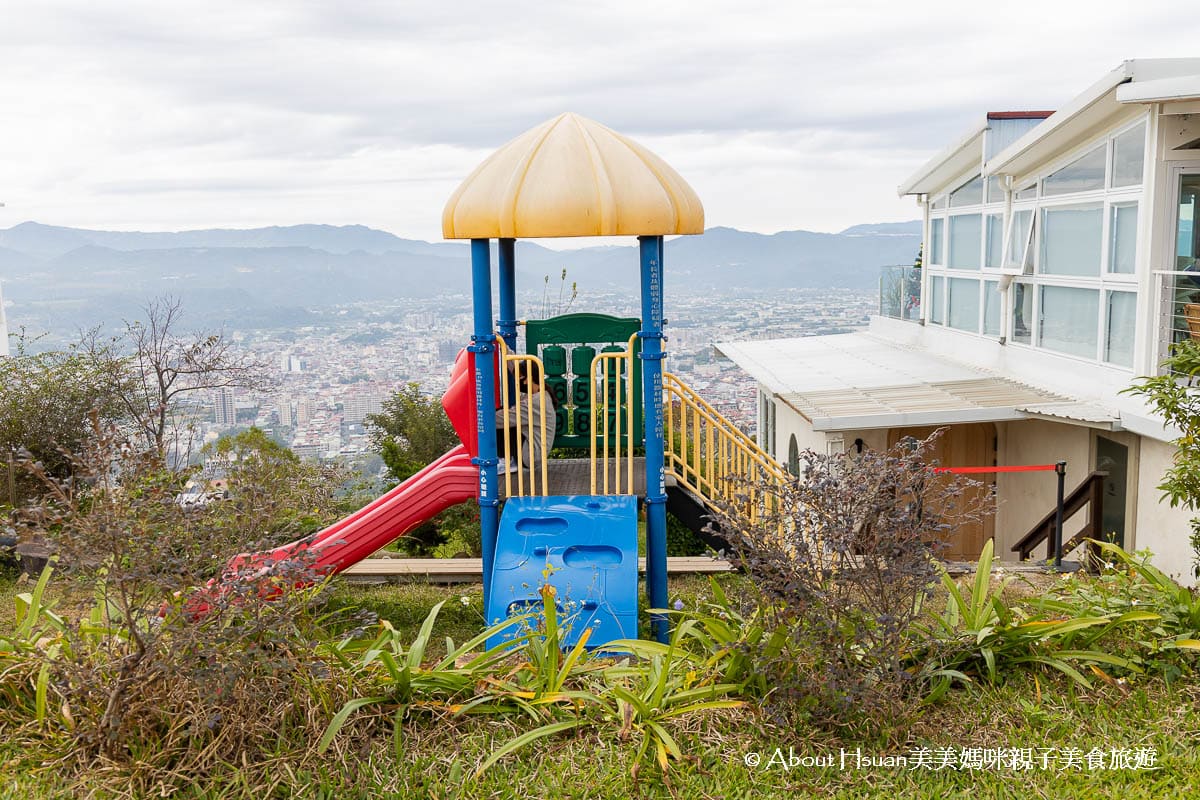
(1028, 270)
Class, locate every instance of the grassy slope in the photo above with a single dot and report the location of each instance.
(436, 757)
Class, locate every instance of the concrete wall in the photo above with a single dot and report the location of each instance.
(1163, 530)
(788, 423)
(1025, 497)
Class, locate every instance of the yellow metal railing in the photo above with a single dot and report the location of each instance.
(520, 424)
(715, 460)
(612, 388)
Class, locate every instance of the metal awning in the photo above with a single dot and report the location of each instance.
(858, 381)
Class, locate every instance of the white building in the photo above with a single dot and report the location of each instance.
(286, 418)
(1059, 255)
(357, 407)
(224, 408)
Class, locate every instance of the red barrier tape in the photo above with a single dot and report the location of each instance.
(981, 470)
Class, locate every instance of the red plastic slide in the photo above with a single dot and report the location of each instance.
(448, 481)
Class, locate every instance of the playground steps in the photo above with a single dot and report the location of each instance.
(573, 476)
(693, 512)
(585, 547)
(470, 570)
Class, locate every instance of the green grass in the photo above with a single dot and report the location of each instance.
(436, 756)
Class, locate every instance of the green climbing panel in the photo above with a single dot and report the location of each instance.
(567, 345)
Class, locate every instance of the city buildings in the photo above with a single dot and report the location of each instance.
(351, 366)
(1060, 263)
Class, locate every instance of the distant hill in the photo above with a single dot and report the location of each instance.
(56, 276)
(910, 228)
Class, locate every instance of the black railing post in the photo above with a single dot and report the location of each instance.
(1060, 469)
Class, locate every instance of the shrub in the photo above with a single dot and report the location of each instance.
(681, 541)
(139, 679)
(1166, 636)
(843, 558)
(981, 636)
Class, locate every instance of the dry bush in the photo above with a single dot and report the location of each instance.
(143, 686)
(843, 558)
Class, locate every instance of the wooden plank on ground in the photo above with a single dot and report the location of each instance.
(460, 570)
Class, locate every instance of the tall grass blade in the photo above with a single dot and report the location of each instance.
(524, 739)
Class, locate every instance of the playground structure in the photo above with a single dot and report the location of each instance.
(568, 529)
(603, 387)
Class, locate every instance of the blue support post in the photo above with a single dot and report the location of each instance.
(651, 248)
(483, 350)
(507, 324)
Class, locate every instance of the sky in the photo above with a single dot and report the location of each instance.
(131, 115)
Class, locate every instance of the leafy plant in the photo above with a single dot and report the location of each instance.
(635, 688)
(980, 634)
(27, 652)
(1132, 589)
(662, 685)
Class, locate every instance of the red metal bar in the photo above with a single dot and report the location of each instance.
(982, 470)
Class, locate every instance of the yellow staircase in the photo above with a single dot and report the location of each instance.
(713, 459)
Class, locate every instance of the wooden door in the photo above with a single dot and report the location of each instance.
(971, 445)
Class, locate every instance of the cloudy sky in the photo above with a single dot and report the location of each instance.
(159, 115)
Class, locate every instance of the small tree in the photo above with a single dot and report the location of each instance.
(1175, 396)
(843, 557)
(412, 432)
(272, 493)
(46, 403)
(168, 364)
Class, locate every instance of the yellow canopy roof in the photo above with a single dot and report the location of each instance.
(571, 176)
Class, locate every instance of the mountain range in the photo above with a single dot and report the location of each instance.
(56, 276)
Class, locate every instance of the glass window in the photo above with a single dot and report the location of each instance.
(939, 203)
(965, 233)
(1122, 243)
(995, 240)
(936, 235)
(964, 304)
(1071, 239)
(1022, 313)
(766, 422)
(1187, 233)
(1118, 336)
(1028, 193)
(995, 190)
(991, 308)
(1018, 256)
(936, 293)
(969, 194)
(1081, 175)
(1068, 319)
(1129, 153)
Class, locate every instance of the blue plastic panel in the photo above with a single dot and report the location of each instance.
(583, 546)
